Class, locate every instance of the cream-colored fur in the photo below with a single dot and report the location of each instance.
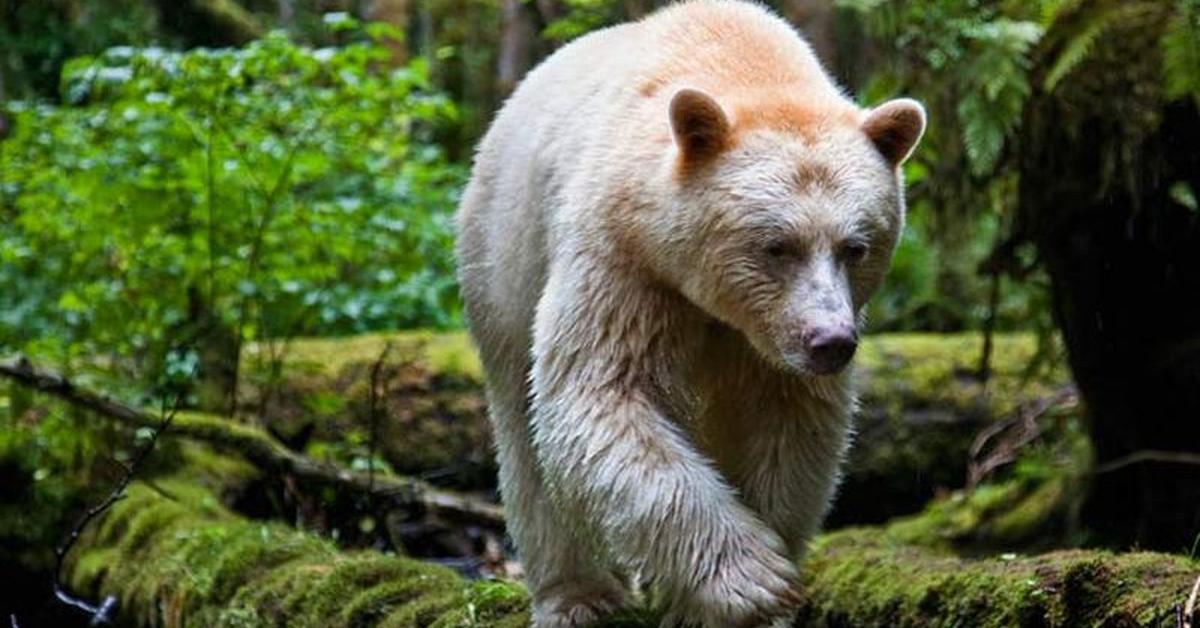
(659, 221)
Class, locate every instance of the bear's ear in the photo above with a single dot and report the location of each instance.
(700, 126)
(895, 127)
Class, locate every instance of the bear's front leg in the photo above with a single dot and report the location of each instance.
(617, 464)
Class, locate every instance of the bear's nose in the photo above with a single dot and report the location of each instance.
(830, 349)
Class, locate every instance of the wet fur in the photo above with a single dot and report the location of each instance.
(651, 412)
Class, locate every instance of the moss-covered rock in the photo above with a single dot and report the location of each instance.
(1017, 514)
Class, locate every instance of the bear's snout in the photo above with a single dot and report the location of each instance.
(830, 348)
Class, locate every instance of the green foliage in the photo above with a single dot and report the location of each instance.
(36, 38)
(968, 61)
(971, 55)
(996, 88)
(582, 17)
(274, 189)
(1181, 52)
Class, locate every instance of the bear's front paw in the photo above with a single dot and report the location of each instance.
(749, 587)
(577, 604)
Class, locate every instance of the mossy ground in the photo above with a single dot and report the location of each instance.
(175, 555)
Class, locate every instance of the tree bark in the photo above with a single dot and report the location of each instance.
(516, 42)
(1104, 163)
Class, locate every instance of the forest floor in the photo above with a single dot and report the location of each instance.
(957, 509)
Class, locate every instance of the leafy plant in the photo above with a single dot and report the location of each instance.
(181, 203)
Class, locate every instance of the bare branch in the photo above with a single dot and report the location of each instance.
(373, 412)
(102, 614)
(1148, 455)
(998, 443)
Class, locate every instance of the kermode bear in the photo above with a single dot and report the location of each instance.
(669, 235)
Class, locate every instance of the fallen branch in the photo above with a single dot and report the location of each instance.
(998, 443)
(261, 450)
(1148, 455)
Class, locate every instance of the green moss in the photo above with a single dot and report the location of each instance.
(861, 577)
(920, 369)
(1015, 514)
(174, 563)
(444, 353)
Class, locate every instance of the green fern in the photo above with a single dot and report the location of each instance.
(997, 87)
(1181, 52)
(1080, 45)
(1051, 9)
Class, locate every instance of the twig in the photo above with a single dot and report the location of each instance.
(1189, 611)
(102, 614)
(373, 413)
(1019, 430)
(263, 451)
(1148, 455)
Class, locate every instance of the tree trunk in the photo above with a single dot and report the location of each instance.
(815, 18)
(515, 45)
(1108, 171)
(218, 351)
(209, 22)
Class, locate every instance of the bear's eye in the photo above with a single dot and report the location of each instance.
(853, 251)
(782, 249)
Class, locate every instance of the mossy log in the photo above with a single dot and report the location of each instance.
(263, 451)
(921, 407)
(859, 577)
(189, 561)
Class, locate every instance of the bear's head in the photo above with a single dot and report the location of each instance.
(781, 219)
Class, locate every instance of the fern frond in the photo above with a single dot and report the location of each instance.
(1051, 9)
(1181, 53)
(1078, 47)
